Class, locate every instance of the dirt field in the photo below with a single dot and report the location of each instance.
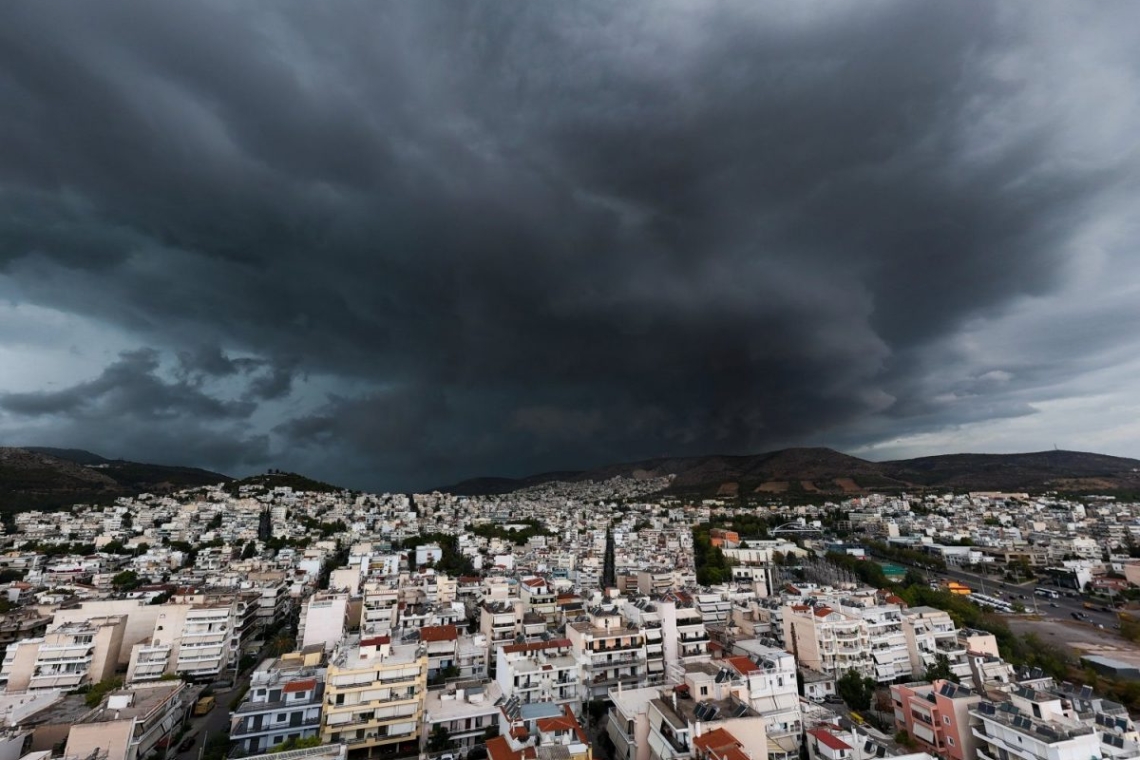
(1078, 638)
(848, 485)
(772, 486)
(728, 489)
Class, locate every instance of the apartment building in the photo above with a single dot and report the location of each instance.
(889, 653)
(609, 651)
(765, 678)
(323, 620)
(929, 633)
(627, 723)
(21, 623)
(827, 640)
(937, 717)
(683, 726)
(683, 632)
(374, 695)
(1033, 728)
(540, 730)
(205, 647)
(468, 711)
(380, 610)
(130, 724)
(283, 703)
(542, 671)
(500, 622)
(538, 598)
(67, 656)
(442, 645)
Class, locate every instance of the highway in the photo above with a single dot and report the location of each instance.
(1012, 592)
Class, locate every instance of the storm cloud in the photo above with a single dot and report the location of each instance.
(394, 245)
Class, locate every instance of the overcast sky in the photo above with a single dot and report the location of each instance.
(394, 245)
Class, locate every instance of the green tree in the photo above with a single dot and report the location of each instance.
(291, 744)
(439, 739)
(126, 580)
(250, 550)
(856, 690)
(940, 670)
(99, 690)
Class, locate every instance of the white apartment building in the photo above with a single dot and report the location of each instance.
(68, 655)
(827, 640)
(466, 710)
(765, 678)
(545, 671)
(609, 651)
(323, 620)
(888, 643)
(930, 632)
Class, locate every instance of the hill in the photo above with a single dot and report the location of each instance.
(44, 478)
(807, 471)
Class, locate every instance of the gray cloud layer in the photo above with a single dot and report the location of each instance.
(396, 244)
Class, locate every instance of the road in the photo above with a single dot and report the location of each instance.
(1012, 592)
(213, 723)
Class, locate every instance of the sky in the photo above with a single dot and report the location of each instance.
(395, 245)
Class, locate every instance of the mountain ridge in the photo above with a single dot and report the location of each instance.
(824, 470)
(51, 478)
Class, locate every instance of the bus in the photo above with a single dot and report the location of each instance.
(1047, 592)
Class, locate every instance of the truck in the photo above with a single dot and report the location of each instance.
(204, 705)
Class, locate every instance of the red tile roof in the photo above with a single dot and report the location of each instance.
(499, 748)
(295, 686)
(823, 611)
(743, 665)
(714, 739)
(376, 641)
(561, 723)
(827, 739)
(536, 646)
(438, 633)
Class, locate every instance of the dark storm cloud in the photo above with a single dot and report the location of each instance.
(507, 238)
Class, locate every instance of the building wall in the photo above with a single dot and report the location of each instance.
(140, 619)
(114, 737)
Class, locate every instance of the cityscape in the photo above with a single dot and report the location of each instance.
(611, 619)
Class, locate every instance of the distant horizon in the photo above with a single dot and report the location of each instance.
(578, 470)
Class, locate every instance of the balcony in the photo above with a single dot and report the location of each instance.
(357, 741)
(245, 729)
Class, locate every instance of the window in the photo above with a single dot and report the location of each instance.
(946, 720)
(950, 740)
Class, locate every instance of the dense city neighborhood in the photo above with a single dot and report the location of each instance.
(570, 621)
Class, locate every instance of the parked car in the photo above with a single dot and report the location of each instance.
(186, 744)
(1076, 615)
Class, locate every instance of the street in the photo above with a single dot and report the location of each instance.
(1043, 606)
(213, 723)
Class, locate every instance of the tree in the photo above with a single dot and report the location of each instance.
(439, 739)
(940, 670)
(126, 580)
(856, 690)
(291, 744)
(609, 570)
(250, 550)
